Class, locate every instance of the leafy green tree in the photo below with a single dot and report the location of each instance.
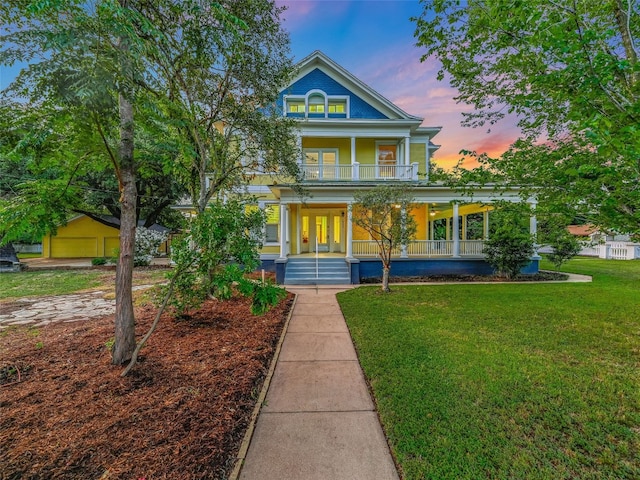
(510, 245)
(384, 212)
(87, 59)
(207, 71)
(569, 72)
(223, 70)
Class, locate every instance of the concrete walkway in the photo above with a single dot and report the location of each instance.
(318, 420)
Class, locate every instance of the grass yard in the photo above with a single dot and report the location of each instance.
(60, 282)
(535, 381)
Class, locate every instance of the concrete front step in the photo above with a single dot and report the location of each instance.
(329, 271)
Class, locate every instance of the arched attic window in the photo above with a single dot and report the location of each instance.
(317, 104)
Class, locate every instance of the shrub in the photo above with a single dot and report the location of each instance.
(147, 243)
(565, 246)
(212, 259)
(510, 245)
(99, 261)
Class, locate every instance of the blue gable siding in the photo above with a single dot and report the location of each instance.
(317, 79)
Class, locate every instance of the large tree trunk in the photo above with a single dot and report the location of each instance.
(125, 339)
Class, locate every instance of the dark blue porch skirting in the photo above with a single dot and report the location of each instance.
(363, 268)
(410, 267)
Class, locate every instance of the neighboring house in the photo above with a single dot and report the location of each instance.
(352, 139)
(83, 237)
(605, 245)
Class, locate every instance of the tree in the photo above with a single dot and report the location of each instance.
(209, 70)
(88, 59)
(569, 71)
(222, 70)
(384, 212)
(211, 260)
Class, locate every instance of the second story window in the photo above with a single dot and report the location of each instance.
(316, 104)
(387, 160)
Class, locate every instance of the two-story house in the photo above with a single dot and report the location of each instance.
(353, 138)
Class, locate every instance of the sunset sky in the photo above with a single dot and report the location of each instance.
(374, 41)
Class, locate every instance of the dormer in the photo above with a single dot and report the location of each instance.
(316, 104)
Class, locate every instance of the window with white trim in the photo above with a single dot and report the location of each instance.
(387, 159)
(272, 226)
(316, 104)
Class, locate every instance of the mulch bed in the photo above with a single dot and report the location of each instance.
(534, 277)
(65, 412)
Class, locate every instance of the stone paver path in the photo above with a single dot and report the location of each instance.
(40, 311)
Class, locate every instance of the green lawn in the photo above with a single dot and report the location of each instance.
(59, 282)
(47, 282)
(536, 381)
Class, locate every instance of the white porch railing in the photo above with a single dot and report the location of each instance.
(422, 248)
(471, 247)
(357, 172)
(430, 248)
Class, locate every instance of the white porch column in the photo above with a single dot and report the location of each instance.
(456, 231)
(403, 247)
(485, 218)
(533, 227)
(354, 164)
(353, 150)
(298, 230)
(349, 231)
(407, 151)
(283, 231)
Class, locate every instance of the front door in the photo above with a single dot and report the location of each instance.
(322, 232)
(326, 227)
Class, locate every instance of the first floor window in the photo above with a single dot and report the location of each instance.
(272, 230)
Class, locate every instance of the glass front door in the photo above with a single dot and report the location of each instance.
(325, 226)
(322, 233)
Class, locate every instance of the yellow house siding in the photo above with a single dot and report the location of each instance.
(293, 228)
(111, 246)
(366, 151)
(360, 233)
(420, 216)
(417, 153)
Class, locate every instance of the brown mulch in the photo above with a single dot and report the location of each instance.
(65, 412)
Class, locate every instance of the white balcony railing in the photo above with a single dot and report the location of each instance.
(357, 172)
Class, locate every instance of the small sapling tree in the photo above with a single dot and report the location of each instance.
(211, 261)
(384, 213)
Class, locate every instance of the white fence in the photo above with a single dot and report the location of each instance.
(620, 251)
(609, 250)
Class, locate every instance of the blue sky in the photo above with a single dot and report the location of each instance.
(373, 39)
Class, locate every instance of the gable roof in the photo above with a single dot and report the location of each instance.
(318, 60)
